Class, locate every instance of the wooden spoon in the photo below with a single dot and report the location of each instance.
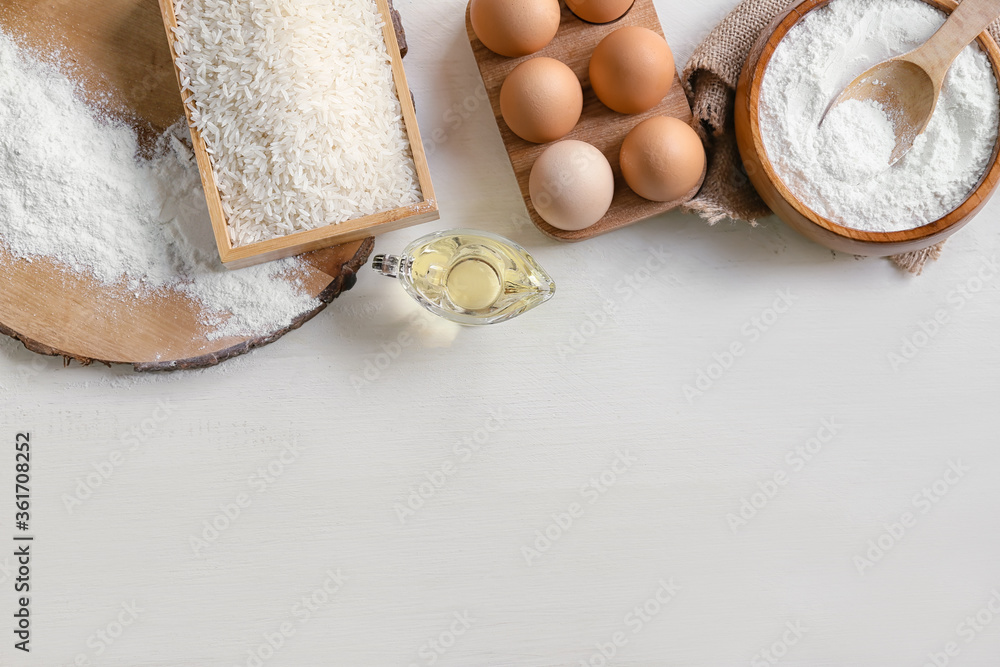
(907, 86)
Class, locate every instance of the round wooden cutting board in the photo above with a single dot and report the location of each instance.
(119, 52)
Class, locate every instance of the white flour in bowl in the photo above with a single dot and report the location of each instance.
(72, 189)
(839, 169)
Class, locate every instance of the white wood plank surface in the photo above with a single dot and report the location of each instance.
(571, 421)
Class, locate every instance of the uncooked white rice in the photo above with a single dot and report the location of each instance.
(296, 103)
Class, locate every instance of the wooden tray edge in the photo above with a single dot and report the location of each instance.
(586, 234)
(346, 280)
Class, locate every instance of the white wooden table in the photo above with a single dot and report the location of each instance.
(384, 489)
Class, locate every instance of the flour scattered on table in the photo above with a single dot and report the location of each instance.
(72, 189)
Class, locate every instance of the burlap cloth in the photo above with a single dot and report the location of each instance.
(710, 79)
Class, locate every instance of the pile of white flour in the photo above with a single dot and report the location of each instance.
(73, 189)
(840, 169)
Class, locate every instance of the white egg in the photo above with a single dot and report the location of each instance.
(571, 185)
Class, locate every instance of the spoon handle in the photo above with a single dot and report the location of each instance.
(962, 27)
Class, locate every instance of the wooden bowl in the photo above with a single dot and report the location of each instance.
(799, 216)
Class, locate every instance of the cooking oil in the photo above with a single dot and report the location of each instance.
(469, 277)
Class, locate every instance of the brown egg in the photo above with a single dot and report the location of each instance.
(515, 28)
(541, 100)
(662, 159)
(600, 11)
(632, 70)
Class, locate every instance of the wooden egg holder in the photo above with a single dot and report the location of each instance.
(599, 125)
